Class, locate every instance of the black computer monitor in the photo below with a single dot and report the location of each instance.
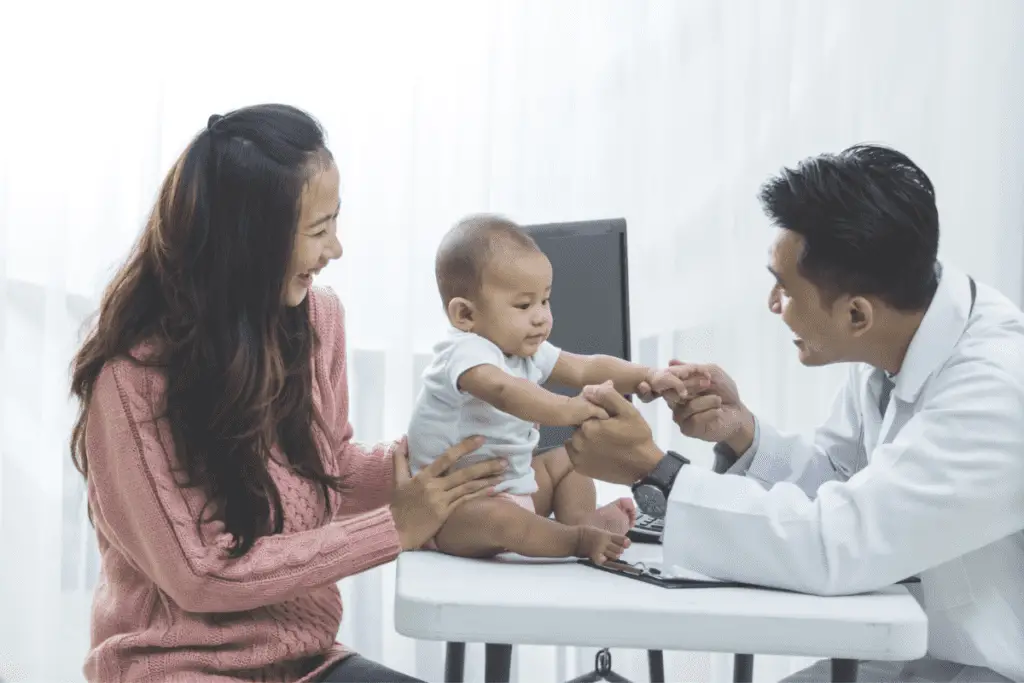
(589, 297)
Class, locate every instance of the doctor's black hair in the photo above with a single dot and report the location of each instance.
(869, 222)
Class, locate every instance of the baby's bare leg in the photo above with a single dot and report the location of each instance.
(562, 491)
(568, 494)
(573, 497)
(485, 527)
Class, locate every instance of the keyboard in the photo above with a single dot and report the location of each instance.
(647, 529)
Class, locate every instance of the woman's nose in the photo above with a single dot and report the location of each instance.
(335, 250)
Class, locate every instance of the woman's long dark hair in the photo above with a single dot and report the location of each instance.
(203, 289)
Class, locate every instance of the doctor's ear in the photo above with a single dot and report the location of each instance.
(461, 313)
(862, 315)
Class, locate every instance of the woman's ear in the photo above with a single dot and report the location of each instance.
(461, 314)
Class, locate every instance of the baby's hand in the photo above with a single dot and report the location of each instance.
(678, 383)
(579, 410)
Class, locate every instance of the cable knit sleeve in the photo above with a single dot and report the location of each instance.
(367, 470)
(370, 474)
(152, 521)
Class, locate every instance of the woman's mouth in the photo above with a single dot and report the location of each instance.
(306, 278)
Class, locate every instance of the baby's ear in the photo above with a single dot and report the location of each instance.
(461, 314)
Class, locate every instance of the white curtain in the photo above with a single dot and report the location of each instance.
(669, 113)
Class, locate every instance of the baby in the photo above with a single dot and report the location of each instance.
(485, 380)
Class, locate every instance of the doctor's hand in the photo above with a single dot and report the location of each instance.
(619, 449)
(718, 414)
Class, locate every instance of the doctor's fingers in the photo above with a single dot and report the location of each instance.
(688, 409)
(701, 422)
(695, 378)
(584, 437)
(669, 385)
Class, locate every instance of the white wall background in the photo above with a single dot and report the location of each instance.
(667, 112)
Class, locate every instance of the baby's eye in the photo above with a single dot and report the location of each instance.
(522, 307)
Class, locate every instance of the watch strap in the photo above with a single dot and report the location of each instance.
(664, 474)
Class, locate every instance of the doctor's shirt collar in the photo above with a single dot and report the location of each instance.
(941, 328)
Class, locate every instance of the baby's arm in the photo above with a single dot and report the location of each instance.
(524, 399)
(576, 371)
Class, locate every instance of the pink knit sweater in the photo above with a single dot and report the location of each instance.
(170, 604)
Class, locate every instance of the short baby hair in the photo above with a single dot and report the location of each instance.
(468, 247)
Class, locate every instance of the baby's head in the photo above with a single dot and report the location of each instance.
(495, 282)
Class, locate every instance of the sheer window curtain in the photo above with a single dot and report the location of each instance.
(669, 113)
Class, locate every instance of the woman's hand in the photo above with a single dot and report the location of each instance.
(421, 504)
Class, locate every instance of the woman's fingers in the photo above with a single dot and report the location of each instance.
(445, 461)
(485, 492)
(462, 491)
(480, 470)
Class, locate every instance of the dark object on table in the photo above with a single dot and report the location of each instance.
(647, 529)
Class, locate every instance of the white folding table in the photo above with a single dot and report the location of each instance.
(515, 600)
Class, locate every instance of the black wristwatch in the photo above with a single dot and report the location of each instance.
(652, 491)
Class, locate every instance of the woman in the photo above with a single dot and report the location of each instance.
(227, 495)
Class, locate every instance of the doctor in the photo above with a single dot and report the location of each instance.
(920, 468)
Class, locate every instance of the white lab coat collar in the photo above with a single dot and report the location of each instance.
(941, 328)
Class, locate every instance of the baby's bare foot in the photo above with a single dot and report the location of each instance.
(618, 517)
(599, 545)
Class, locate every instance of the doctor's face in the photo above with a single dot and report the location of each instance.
(819, 328)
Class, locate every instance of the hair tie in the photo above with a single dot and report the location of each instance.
(212, 123)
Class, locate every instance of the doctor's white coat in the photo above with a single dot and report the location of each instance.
(934, 488)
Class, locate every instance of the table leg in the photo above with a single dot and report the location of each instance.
(497, 663)
(743, 668)
(844, 670)
(656, 665)
(454, 662)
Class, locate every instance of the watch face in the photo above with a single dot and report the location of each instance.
(650, 500)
